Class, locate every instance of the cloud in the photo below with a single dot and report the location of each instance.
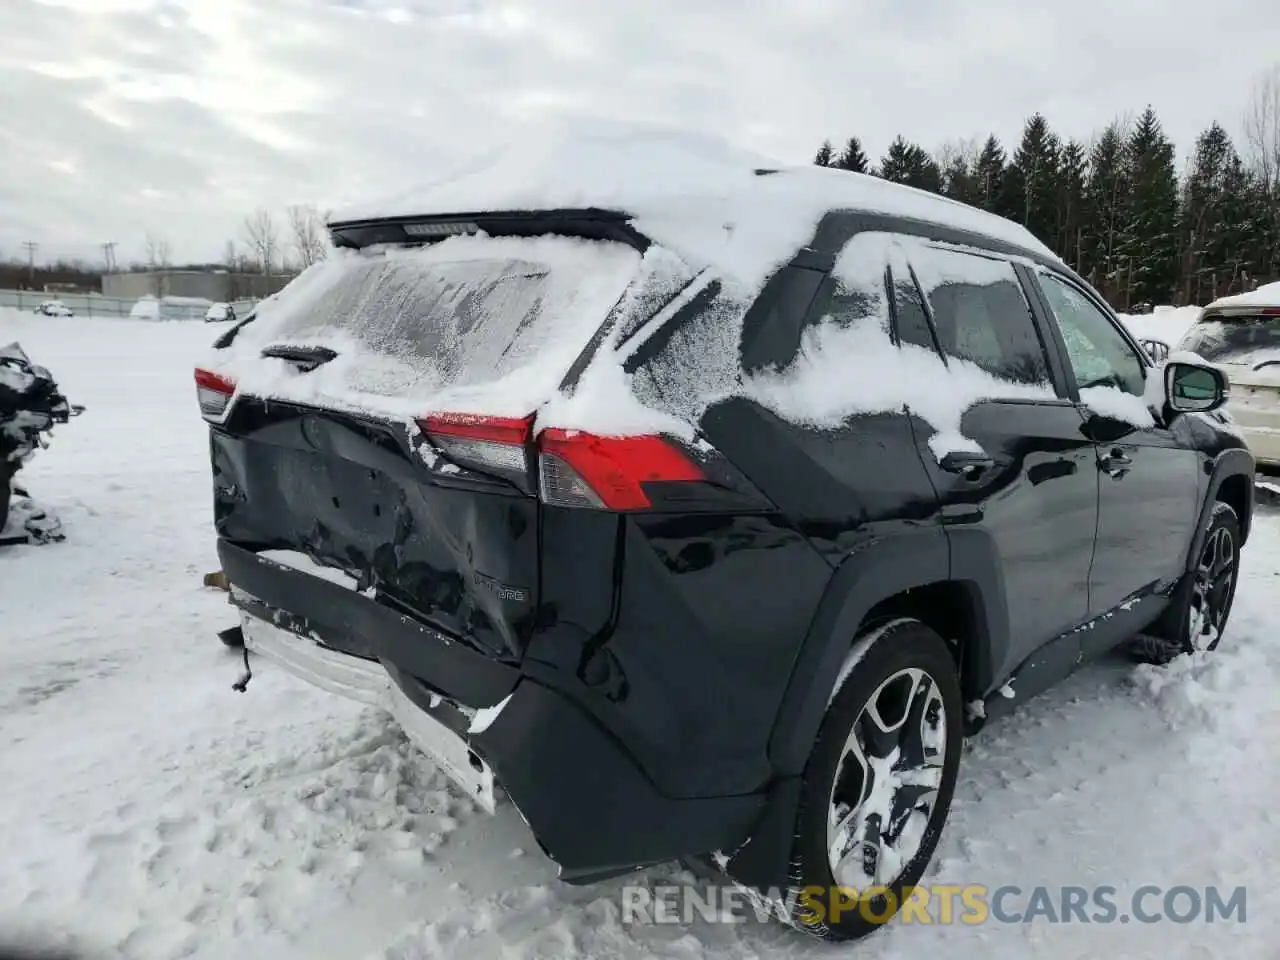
(120, 117)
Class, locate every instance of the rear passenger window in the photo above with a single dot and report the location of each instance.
(981, 314)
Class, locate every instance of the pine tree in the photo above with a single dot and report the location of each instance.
(1238, 229)
(853, 157)
(1073, 213)
(1206, 253)
(1152, 245)
(823, 157)
(908, 163)
(988, 175)
(1107, 199)
(1031, 187)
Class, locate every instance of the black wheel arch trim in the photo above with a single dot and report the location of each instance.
(882, 569)
(1227, 464)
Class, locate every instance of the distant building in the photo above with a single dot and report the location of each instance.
(216, 285)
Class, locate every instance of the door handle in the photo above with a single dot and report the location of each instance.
(966, 463)
(1116, 464)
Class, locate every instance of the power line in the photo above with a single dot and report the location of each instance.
(109, 255)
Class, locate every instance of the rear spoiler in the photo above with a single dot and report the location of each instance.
(589, 223)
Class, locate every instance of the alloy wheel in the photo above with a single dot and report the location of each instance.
(1211, 590)
(886, 785)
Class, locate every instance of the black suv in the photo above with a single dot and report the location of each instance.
(753, 640)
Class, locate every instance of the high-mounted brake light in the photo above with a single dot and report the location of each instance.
(578, 469)
(214, 393)
(489, 443)
(439, 229)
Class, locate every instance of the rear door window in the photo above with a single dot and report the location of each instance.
(981, 314)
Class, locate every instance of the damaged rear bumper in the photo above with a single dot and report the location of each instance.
(588, 803)
(438, 730)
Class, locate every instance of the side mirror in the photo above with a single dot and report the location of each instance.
(1194, 388)
(1157, 350)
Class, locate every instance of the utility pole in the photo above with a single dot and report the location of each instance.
(109, 255)
(31, 246)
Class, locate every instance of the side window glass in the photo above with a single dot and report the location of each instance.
(856, 292)
(981, 314)
(1098, 353)
(912, 322)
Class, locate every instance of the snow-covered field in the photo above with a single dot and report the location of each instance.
(150, 811)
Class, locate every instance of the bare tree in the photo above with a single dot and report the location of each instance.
(260, 233)
(159, 256)
(1262, 139)
(1262, 130)
(307, 229)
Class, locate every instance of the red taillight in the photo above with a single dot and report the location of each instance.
(1270, 311)
(575, 469)
(213, 392)
(583, 470)
(489, 443)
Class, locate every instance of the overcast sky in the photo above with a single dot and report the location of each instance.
(119, 117)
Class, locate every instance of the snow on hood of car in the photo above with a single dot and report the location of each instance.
(1264, 296)
(693, 194)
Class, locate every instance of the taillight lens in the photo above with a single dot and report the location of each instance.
(214, 393)
(486, 443)
(575, 469)
(578, 469)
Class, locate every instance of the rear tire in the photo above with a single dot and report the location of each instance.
(878, 785)
(1198, 617)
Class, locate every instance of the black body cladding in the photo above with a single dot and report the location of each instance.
(668, 669)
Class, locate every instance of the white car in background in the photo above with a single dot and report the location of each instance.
(54, 308)
(170, 308)
(219, 312)
(1241, 335)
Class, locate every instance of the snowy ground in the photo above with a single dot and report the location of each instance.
(150, 811)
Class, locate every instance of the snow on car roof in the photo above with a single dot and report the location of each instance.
(694, 194)
(1264, 296)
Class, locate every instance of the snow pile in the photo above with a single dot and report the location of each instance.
(1264, 296)
(1166, 324)
(856, 369)
(1116, 404)
(693, 194)
(30, 521)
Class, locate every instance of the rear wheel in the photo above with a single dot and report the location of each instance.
(1199, 617)
(878, 785)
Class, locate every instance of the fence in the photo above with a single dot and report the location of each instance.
(91, 304)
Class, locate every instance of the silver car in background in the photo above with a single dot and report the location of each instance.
(1241, 335)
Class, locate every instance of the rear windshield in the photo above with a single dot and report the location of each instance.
(461, 319)
(464, 313)
(1234, 339)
